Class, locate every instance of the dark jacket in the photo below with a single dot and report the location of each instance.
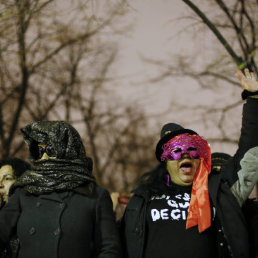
(62, 225)
(10, 249)
(231, 238)
(229, 221)
(250, 209)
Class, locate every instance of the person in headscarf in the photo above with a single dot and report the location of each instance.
(57, 209)
(184, 208)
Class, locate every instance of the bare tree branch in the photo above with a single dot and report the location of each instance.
(237, 59)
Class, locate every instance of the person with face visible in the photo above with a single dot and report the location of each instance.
(185, 208)
(6, 180)
(10, 170)
(183, 153)
(56, 208)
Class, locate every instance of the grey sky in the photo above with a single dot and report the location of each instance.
(156, 35)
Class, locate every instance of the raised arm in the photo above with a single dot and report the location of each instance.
(249, 130)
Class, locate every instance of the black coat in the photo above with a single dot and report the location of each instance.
(63, 225)
(231, 238)
(250, 209)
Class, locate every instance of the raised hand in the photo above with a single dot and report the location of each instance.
(248, 80)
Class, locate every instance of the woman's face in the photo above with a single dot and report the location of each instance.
(183, 170)
(7, 178)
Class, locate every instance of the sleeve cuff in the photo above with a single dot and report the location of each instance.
(245, 94)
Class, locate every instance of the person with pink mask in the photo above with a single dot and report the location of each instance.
(184, 208)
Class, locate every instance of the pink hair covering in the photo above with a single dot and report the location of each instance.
(199, 212)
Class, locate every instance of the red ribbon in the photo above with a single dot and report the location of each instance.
(199, 212)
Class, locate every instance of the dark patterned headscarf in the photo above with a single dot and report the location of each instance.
(70, 169)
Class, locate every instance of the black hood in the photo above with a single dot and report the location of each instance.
(71, 169)
(62, 136)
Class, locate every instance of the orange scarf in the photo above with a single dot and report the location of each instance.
(199, 212)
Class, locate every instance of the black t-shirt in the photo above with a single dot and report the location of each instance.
(166, 235)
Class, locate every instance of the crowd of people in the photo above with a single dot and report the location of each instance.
(195, 203)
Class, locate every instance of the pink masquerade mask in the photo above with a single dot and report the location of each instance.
(194, 145)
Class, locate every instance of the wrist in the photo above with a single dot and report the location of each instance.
(245, 94)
